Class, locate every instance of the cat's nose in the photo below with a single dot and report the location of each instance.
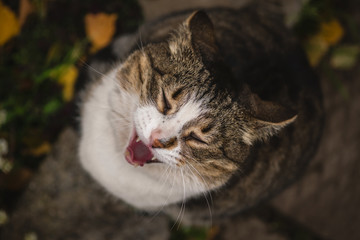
(164, 143)
(155, 135)
(157, 140)
(157, 143)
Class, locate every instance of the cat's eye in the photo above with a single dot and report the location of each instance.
(166, 103)
(177, 93)
(194, 137)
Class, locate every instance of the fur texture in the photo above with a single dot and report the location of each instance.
(223, 100)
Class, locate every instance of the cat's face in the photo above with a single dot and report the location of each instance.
(182, 118)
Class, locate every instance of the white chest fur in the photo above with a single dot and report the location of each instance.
(102, 149)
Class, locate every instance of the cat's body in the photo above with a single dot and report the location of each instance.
(192, 99)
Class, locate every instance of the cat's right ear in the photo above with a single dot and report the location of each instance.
(202, 35)
(267, 119)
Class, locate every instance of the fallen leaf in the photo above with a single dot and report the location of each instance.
(5, 165)
(67, 79)
(315, 48)
(31, 236)
(3, 217)
(9, 25)
(344, 57)
(331, 32)
(44, 148)
(4, 148)
(25, 9)
(16, 179)
(100, 29)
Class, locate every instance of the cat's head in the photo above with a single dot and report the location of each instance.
(186, 114)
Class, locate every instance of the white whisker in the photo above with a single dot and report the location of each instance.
(169, 169)
(204, 193)
(182, 208)
(92, 68)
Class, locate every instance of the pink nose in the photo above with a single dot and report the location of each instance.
(155, 136)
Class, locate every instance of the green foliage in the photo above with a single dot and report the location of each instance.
(50, 41)
(188, 233)
(312, 14)
(338, 55)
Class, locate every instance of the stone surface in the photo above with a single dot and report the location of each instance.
(247, 228)
(153, 9)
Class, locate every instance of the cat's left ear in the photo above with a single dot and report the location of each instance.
(202, 35)
(266, 120)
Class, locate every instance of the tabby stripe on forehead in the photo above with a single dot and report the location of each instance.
(140, 73)
(152, 87)
(151, 61)
(152, 84)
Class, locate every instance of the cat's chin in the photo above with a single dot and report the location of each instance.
(138, 153)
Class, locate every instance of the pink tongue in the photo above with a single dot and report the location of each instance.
(138, 153)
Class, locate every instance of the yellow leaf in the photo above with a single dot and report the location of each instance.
(9, 25)
(44, 148)
(25, 9)
(315, 48)
(3, 217)
(100, 29)
(331, 32)
(67, 78)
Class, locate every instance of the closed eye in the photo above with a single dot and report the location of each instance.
(177, 93)
(194, 137)
(166, 103)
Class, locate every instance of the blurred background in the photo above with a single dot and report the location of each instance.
(44, 44)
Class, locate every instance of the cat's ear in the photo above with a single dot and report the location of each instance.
(202, 34)
(267, 119)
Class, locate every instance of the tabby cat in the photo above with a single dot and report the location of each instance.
(218, 104)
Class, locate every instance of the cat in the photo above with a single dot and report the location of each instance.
(216, 108)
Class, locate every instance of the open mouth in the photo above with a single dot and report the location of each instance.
(137, 153)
